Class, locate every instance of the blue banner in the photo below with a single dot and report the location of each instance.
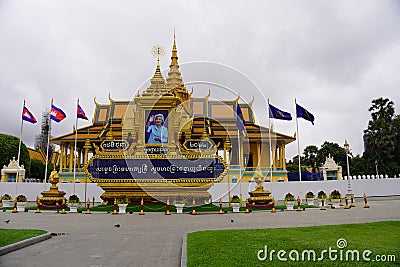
(201, 168)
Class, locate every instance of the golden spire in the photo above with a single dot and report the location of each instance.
(174, 78)
(157, 83)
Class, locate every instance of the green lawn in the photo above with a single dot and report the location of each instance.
(9, 236)
(240, 247)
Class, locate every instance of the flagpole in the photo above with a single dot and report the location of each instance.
(298, 148)
(48, 144)
(270, 143)
(240, 165)
(76, 137)
(19, 152)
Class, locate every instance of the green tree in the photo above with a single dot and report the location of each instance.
(310, 156)
(38, 168)
(335, 151)
(381, 138)
(9, 150)
(357, 166)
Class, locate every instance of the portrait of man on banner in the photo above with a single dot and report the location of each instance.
(156, 127)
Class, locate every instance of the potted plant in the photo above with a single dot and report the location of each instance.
(310, 198)
(73, 203)
(290, 201)
(335, 197)
(321, 194)
(7, 200)
(235, 202)
(122, 203)
(179, 204)
(21, 202)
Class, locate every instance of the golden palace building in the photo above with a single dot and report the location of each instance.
(166, 144)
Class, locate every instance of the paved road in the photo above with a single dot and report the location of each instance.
(155, 239)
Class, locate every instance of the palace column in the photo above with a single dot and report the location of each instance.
(276, 157)
(283, 156)
(65, 149)
(61, 156)
(78, 162)
(71, 157)
(86, 147)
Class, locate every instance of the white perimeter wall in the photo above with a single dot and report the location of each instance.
(372, 187)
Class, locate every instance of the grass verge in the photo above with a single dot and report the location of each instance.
(240, 247)
(10, 236)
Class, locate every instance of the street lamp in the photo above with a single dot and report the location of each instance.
(347, 149)
(376, 168)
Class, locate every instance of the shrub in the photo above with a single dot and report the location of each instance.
(21, 198)
(179, 201)
(289, 197)
(310, 195)
(235, 199)
(335, 194)
(321, 194)
(122, 200)
(73, 199)
(6, 197)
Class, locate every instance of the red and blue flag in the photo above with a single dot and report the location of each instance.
(80, 113)
(56, 114)
(28, 116)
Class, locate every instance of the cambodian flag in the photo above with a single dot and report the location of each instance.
(28, 116)
(80, 113)
(56, 114)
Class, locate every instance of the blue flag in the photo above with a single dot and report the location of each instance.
(276, 113)
(303, 113)
(240, 120)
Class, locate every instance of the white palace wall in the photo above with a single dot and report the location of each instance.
(372, 187)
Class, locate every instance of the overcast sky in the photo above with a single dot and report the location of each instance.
(334, 57)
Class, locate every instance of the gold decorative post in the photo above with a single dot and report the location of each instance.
(347, 202)
(88, 207)
(63, 207)
(115, 206)
(193, 207)
(247, 206)
(323, 203)
(15, 206)
(167, 208)
(352, 201)
(366, 206)
(220, 207)
(141, 207)
(37, 205)
(273, 205)
(298, 204)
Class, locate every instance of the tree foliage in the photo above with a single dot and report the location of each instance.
(9, 150)
(381, 138)
(38, 168)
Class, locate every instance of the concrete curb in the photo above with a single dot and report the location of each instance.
(184, 251)
(24, 243)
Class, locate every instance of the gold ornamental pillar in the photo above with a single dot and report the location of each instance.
(61, 156)
(283, 156)
(86, 148)
(71, 157)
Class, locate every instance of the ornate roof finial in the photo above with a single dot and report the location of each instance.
(157, 83)
(174, 78)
